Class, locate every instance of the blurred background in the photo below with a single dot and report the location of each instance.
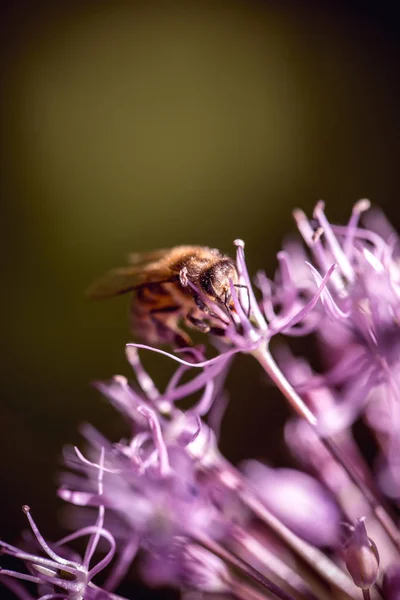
(128, 126)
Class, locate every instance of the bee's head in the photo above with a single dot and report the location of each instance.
(215, 281)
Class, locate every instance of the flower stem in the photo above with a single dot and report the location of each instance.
(242, 591)
(238, 563)
(266, 360)
(377, 508)
(264, 357)
(366, 594)
(312, 556)
(273, 563)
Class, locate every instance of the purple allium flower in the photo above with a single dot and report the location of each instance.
(172, 472)
(166, 495)
(361, 302)
(57, 576)
(157, 471)
(358, 331)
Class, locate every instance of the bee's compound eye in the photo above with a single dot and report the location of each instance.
(206, 282)
(223, 272)
(215, 281)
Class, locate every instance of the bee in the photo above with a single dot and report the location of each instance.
(173, 287)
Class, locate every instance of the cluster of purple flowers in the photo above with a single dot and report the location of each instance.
(168, 498)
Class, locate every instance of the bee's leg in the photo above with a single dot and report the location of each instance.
(204, 308)
(204, 327)
(171, 335)
(200, 304)
(219, 331)
(197, 323)
(168, 333)
(170, 309)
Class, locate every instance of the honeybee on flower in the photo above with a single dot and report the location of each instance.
(171, 286)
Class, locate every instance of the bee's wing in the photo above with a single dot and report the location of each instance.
(142, 258)
(115, 282)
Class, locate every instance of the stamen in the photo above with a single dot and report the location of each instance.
(264, 286)
(78, 498)
(318, 233)
(204, 363)
(205, 403)
(155, 428)
(304, 312)
(323, 259)
(242, 269)
(289, 289)
(42, 541)
(94, 539)
(143, 378)
(92, 464)
(197, 382)
(326, 297)
(358, 208)
(244, 321)
(339, 255)
(16, 575)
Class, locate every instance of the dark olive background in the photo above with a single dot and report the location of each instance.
(136, 125)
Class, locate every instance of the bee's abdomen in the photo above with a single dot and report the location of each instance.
(155, 312)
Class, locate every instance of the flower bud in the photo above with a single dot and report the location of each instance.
(298, 500)
(361, 557)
